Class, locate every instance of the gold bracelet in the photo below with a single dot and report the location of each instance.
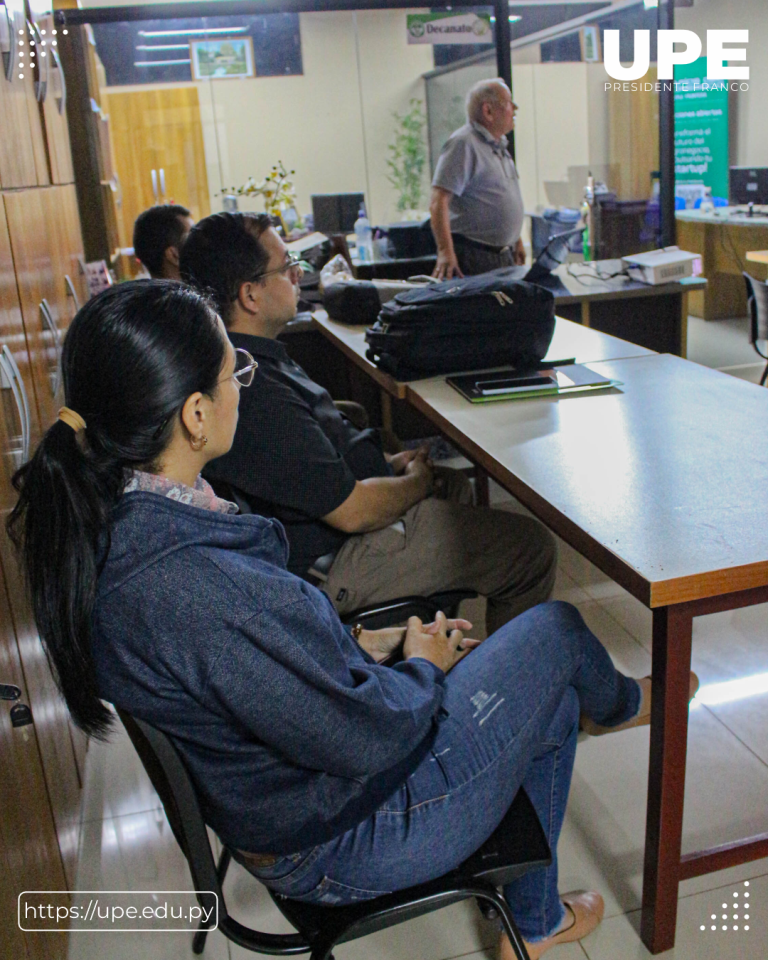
(356, 631)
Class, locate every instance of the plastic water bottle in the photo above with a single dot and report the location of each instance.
(363, 236)
(707, 204)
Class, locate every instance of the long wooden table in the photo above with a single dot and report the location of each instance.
(656, 483)
(723, 239)
(569, 340)
(655, 316)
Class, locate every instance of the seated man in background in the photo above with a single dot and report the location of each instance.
(158, 236)
(296, 458)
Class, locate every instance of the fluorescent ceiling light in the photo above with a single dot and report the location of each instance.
(511, 19)
(714, 693)
(158, 63)
(649, 4)
(163, 46)
(188, 33)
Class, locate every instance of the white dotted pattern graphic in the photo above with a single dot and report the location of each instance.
(736, 905)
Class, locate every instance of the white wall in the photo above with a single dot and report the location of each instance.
(332, 124)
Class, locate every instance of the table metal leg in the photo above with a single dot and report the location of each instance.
(672, 628)
(386, 411)
(482, 488)
(684, 325)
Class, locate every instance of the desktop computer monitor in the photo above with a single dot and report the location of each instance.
(334, 213)
(748, 185)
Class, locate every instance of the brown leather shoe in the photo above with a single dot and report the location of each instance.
(644, 716)
(586, 910)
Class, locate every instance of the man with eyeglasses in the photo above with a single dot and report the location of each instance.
(364, 526)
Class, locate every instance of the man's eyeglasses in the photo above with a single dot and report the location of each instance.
(292, 262)
(245, 367)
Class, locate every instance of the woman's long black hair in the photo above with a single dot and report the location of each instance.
(131, 358)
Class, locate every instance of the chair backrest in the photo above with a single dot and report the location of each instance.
(170, 779)
(757, 301)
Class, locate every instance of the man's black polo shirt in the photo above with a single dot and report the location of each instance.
(294, 456)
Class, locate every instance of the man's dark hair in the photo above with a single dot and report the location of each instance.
(155, 230)
(221, 253)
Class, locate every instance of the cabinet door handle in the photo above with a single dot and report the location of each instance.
(8, 381)
(71, 292)
(41, 60)
(26, 423)
(62, 91)
(154, 185)
(162, 183)
(45, 312)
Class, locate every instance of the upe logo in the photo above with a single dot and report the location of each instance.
(667, 56)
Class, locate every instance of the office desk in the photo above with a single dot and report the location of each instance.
(652, 316)
(654, 483)
(569, 340)
(722, 239)
(757, 256)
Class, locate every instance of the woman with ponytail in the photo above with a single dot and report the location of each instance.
(332, 777)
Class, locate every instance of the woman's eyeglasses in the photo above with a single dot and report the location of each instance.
(245, 367)
(292, 262)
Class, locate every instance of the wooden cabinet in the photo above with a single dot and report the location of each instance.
(157, 139)
(22, 148)
(47, 251)
(39, 803)
(54, 112)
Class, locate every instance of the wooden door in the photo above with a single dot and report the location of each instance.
(21, 132)
(66, 292)
(31, 248)
(24, 240)
(54, 113)
(30, 858)
(160, 131)
(29, 851)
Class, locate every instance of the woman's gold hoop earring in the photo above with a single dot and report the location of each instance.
(198, 443)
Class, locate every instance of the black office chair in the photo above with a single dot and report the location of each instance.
(517, 846)
(757, 303)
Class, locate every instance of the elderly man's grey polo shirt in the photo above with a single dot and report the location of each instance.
(486, 204)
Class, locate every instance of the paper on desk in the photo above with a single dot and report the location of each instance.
(306, 243)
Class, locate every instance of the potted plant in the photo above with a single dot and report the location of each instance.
(408, 158)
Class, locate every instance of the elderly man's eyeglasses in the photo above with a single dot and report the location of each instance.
(245, 367)
(292, 263)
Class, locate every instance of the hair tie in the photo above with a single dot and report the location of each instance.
(72, 419)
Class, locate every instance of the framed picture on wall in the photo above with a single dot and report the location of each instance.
(222, 59)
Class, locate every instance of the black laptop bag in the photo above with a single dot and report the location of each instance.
(470, 323)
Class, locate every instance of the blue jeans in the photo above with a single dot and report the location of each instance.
(513, 709)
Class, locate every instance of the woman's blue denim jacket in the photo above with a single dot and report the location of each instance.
(292, 734)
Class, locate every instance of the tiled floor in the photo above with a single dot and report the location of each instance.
(127, 844)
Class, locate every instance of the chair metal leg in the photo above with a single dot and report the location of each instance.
(198, 940)
(508, 922)
(764, 376)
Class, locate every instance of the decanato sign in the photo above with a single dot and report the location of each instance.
(689, 49)
(449, 28)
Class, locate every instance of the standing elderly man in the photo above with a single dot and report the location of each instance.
(476, 205)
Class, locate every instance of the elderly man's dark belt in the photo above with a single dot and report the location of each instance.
(478, 244)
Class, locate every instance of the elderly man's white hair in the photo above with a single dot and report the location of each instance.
(484, 91)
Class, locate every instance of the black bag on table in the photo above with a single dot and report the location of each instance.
(470, 323)
(353, 302)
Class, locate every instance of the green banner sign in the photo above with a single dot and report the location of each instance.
(701, 128)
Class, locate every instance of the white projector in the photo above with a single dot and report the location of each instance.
(660, 266)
